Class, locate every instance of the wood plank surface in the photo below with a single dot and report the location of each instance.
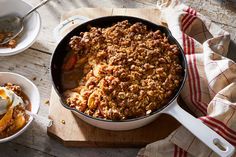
(35, 142)
(150, 14)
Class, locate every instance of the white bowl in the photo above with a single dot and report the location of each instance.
(31, 26)
(29, 89)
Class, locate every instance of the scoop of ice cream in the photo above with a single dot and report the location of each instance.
(8, 99)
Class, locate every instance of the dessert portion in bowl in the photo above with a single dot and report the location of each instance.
(120, 72)
(26, 38)
(11, 44)
(13, 105)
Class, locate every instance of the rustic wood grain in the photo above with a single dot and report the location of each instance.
(35, 142)
(15, 150)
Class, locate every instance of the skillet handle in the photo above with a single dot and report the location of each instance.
(66, 26)
(214, 141)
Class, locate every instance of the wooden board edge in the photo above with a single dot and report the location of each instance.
(93, 144)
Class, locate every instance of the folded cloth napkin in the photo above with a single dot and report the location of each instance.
(210, 89)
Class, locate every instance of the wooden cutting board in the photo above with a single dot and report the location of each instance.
(72, 131)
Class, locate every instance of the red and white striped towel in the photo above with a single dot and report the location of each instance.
(210, 89)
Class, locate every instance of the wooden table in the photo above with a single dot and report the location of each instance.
(34, 64)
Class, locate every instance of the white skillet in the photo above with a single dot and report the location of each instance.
(214, 141)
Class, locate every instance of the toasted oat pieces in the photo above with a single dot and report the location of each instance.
(128, 71)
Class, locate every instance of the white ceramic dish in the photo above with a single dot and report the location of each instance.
(29, 89)
(31, 27)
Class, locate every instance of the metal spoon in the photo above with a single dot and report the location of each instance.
(46, 121)
(12, 25)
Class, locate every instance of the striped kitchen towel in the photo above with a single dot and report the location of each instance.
(210, 89)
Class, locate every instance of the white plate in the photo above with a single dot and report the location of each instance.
(29, 89)
(31, 27)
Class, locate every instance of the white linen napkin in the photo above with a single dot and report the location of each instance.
(210, 89)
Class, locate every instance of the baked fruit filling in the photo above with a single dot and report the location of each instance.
(120, 72)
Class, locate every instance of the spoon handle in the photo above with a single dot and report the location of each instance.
(48, 122)
(35, 8)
